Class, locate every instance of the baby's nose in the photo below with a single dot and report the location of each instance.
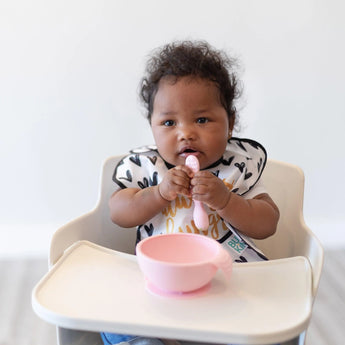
(187, 133)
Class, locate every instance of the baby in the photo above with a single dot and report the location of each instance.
(190, 91)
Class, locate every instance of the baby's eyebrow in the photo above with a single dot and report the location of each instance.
(201, 111)
(167, 113)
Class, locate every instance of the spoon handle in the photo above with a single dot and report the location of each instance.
(199, 214)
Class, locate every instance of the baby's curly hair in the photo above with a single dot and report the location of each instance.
(195, 59)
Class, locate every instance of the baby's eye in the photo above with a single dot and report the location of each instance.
(168, 123)
(202, 120)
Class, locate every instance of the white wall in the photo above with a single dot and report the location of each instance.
(69, 72)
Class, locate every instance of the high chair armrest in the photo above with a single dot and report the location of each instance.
(94, 226)
(81, 228)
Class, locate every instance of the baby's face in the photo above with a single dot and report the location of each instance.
(188, 118)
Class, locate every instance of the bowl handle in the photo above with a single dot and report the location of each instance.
(224, 262)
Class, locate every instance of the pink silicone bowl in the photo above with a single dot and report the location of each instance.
(181, 262)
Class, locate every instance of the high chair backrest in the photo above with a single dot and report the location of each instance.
(284, 182)
(113, 236)
(96, 225)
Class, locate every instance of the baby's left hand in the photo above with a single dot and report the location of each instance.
(210, 190)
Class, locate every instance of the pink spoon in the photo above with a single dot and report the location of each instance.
(199, 214)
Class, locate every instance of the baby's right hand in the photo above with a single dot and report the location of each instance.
(176, 181)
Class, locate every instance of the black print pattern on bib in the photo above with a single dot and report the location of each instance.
(240, 168)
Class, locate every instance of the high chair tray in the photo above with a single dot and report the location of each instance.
(97, 289)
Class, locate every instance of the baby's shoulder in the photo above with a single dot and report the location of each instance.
(244, 154)
(141, 167)
(242, 164)
(145, 157)
(247, 148)
(147, 150)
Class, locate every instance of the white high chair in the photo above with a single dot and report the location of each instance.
(292, 276)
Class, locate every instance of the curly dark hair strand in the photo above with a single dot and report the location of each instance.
(195, 59)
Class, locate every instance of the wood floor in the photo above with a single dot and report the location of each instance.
(20, 326)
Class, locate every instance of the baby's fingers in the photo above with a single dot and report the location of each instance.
(175, 182)
(204, 178)
(186, 169)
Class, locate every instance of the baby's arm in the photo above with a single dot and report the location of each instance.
(131, 207)
(256, 218)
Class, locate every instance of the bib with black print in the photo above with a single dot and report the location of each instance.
(240, 168)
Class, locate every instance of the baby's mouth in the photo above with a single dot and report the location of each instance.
(185, 152)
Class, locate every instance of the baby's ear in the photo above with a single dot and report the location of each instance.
(231, 126)
(231, 123)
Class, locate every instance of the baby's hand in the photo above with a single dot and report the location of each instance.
(176, 181)
(210, 190)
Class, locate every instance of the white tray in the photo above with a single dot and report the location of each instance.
(97, 289)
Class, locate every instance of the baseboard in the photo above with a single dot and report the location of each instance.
(33, 240)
